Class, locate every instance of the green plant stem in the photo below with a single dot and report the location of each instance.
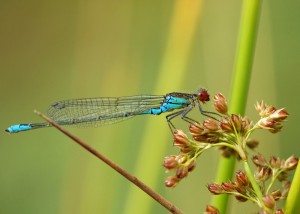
(241, 80)
(253, 181)
(292, 202)
(274, 178)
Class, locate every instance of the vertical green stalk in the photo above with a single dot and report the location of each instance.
(241, 79)
(292, 202)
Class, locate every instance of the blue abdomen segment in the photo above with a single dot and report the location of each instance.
(170, 103)
(18, 128)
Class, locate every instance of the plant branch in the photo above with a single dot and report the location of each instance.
(168, 205)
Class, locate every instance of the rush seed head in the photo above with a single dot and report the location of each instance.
(220, 103)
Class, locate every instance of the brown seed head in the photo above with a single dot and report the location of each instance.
(220, 103)
(259, 160)
(170, 162)
(180, 138)
(215, 189)
(237, 121)
(291, 163)
(171, 181)
(279, 115)
(252, 144)
(211, 210)
(263, 173)
(226, 125)
(182, 172)
(241, 178)
(211, 124)
(264, 110)
(275, 162)
(269, 201)
(196, 128)
(228, 186)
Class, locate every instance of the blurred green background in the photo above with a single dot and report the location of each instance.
(54, 50)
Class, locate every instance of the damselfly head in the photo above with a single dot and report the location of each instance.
(202, 95)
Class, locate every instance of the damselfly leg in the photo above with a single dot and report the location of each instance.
(184, 116)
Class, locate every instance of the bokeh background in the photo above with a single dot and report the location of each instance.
(54, 50)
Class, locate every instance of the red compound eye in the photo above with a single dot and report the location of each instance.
(203, 95)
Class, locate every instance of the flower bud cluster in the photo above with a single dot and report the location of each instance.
(207, 132)
(183, 163)
(225, 129)
(213, 131)
(236, 123)
(277, 169)
(275, 166)
(182, 141)
(271, 118)
(230, 133)
(240, 187)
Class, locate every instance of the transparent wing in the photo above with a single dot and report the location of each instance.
(93, 112)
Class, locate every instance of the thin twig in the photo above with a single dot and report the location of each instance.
(168, 205)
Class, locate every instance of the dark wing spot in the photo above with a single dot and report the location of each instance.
(58, 105)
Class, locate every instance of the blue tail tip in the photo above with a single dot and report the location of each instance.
(10, 130)
(18, 128)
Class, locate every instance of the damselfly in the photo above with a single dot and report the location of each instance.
(93, 112)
